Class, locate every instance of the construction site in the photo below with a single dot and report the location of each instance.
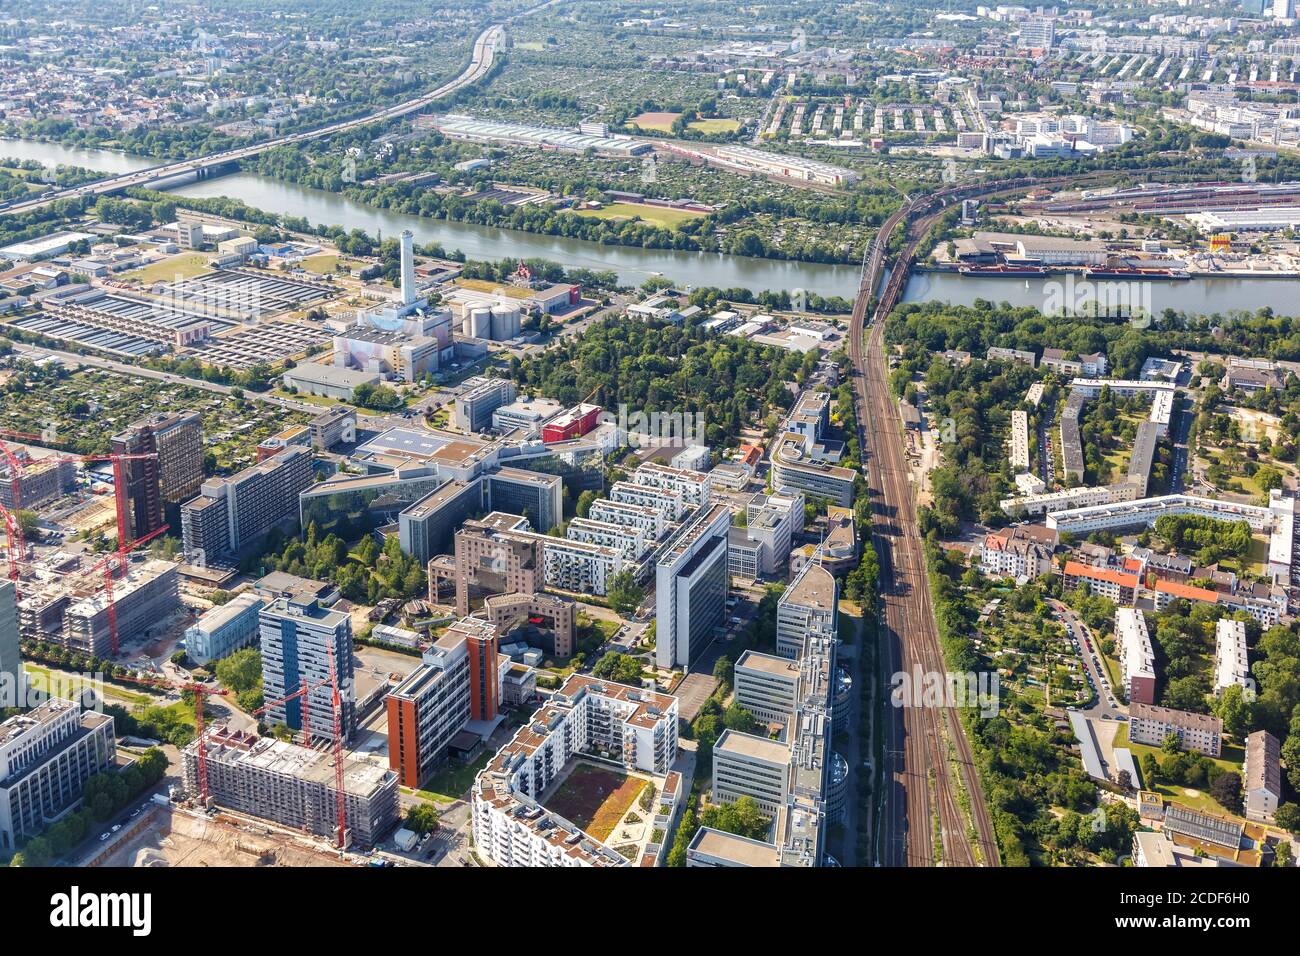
(294, 786)
(168, 836)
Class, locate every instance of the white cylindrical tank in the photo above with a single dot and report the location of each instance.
(505, 322)
(480, 322)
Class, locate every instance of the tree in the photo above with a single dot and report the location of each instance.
(737, 718)
(422, 818)
(624, 594)
(621, 668)
(1288, 817)
(241, 671)
(1226, 790)
(724, 670)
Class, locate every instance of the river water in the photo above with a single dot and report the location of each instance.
(634, 265)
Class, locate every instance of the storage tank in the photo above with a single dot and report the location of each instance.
(505, 322)
(480, 322)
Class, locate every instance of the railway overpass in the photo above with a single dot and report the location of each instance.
(485, 50)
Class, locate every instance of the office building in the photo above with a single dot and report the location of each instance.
(574, 423)
(234, 513)
(46, 757)
(490, 558)
(1150, 725)
(1261, 777)
(173, 477)
(525, 414)
(427, 527)
(300, 639)
(143, 600)
(225, 629)
(295, 786)
(11, 661)
(457, 681)
(804, 459)
(810, 605)
(747, 765)
(767, 686)
(762, 547)
(691, 587)
(480, 397)
(1136, 659)
(537, 496)
(338, 426)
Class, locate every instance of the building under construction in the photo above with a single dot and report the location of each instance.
(41, 481)
(147, 596)
(294, 786)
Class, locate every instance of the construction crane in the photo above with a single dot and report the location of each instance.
(336, 705)
(17, 547)
(200, 721)
(107, 566)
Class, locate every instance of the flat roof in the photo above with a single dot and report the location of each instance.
(730, 846)
(757, 748)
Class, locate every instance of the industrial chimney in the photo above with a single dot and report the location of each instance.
(408, 268)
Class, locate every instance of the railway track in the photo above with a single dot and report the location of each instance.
(924, 817)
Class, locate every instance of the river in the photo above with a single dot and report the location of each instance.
(633, 265)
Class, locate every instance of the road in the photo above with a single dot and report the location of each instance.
(1104, 705)
(485, 49)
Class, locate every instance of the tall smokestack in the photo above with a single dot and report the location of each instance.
(408, 268)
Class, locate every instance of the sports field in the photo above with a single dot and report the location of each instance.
(184, 266)
(663, 122)
(716, 125)
(595, 798)
(655, 215)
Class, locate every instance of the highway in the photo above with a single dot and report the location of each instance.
(485, 49)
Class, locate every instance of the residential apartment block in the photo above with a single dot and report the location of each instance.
(1150, 725)
(1136, 659)
(634, 728)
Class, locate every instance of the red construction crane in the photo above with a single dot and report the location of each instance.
(17, 547)
(200, 723)
(107, 565)
(336, 705)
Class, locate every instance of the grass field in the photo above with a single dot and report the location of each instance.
(184, 266)
(1230, 757)
(327, 262)
(67, 683)
(595, 798)
(718, 125)
(662, 122)
(453, 781)
(657, 215)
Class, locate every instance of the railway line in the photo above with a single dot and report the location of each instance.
(924, 821)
